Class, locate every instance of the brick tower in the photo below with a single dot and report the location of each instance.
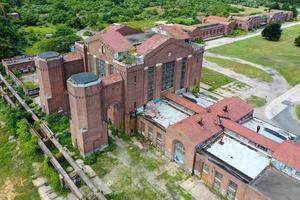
(50, 73)
(89, 132)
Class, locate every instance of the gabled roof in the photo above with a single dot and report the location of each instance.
(249, 134)
(288, 153)
(185, 103)
(175, 31)
(113, 39)
(199, 133)
(233, 108)
(152, 43)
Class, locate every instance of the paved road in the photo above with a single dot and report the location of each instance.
(281, 98)
(282, 110)
(228, 40)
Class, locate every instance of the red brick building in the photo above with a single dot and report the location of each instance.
(133, 69)
(204, 31)
(228, 22)
(250, 22)
(279, 16)
(141, 80)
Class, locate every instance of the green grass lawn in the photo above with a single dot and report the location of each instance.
(247, 70)
(256, 101)
(214, 79)
(282, 56)
(15, 171)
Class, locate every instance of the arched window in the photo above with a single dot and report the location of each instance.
(179, 153)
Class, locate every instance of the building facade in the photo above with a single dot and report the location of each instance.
(130, 76)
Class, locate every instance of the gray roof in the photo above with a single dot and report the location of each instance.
(49, 54)
(277, 186)
(83, 78)
(138, 38)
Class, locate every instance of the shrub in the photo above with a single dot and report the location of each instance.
(90, 159)
(297, 41)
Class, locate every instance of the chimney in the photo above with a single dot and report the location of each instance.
(208, 110)
(201, 122)
(225, 108)
(219, 121)
(257, 129)
(221, 142)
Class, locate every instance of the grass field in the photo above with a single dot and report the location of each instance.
(35, 34)
(15, 171)
(282, 56)
(214, 79)
(247, 70)
(256, 101)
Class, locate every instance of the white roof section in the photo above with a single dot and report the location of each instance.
(239, 156)
(200, 100)
(164, 114)
(268, 130)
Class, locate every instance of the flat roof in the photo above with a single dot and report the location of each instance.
(200, 100)
(268, 130)
(239, 156)
(277, 186)
(83, 78)
(163, 113)
(49, 54)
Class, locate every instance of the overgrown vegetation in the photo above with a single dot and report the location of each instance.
(16, 159)
(256, 101)
(214, 79)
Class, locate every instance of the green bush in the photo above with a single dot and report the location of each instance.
(297, 41)
(29, 85)
(90, 159)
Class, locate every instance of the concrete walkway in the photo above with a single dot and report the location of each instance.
(228, 40)
(197, 189)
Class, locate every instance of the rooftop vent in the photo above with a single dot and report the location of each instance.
(200, 122)
(225, 109)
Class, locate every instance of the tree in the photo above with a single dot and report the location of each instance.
(272, 32)
(295, 11)
(297, 41)
(275, 6)
(10, 40)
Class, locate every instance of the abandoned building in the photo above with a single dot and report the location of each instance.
(142, 81)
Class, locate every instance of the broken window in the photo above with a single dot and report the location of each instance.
(111, 68)
(167, 75)
(158, 139)
(183, 69)
(150, 83)
(205, 168)
(218, 181)
(101, 68)
(231, 191)
(142, 128)
(150, 134)
(179, 153)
